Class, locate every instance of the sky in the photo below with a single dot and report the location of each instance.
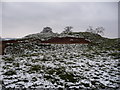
(22, 18)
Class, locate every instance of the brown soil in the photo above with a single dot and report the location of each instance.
(55, 40)
(66, 40)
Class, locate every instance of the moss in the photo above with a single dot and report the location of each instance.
(10, 72)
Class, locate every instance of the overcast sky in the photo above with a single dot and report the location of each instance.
(23, 18)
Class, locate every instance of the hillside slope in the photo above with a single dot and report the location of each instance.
(31, 64)
(94, 38)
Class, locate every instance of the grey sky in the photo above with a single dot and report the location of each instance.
(20, 18)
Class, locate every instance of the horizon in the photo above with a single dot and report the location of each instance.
(54, 32)
(23, 18)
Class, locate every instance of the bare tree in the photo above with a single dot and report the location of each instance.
(68, 29)
(90, 29)
(99, 30)
(47, 30)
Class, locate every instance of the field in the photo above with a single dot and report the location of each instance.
(78, 66)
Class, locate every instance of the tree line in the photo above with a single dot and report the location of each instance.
(68, 29)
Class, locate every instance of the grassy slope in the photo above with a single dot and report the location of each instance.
(98, 42)
(96, 52)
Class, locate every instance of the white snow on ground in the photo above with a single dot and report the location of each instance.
(60, 66)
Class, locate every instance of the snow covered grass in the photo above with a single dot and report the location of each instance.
(61, 66)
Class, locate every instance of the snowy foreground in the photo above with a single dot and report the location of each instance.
(61, 66)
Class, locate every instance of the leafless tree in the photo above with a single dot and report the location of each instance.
(90, 29)
(68, 29)
(97, 30)
(47, 29)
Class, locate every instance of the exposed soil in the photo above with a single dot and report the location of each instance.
(55, 40)
(66, 40)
